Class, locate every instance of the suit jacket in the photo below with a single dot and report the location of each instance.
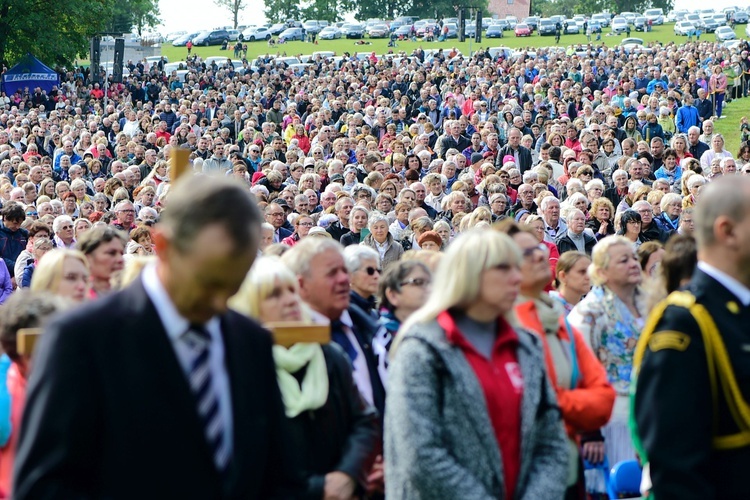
(565, 243)
(284, 233)
(109, 409)
(524, 157)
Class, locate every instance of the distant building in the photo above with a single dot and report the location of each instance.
(502, 8)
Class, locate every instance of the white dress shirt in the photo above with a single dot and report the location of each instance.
(360, 370)
(176, 327)
(735, 287)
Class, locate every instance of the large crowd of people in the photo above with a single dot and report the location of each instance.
(486, 234)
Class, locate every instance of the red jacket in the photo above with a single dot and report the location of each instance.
(588, 406)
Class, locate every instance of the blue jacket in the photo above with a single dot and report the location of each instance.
(12, 243)
(687, 116)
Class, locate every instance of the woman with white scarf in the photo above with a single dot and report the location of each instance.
(332, 430)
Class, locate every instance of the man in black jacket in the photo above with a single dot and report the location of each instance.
(160, 381)
(695, 145)
(521, 154)
(650, 229)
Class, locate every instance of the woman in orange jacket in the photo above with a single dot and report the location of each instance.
(584, 395)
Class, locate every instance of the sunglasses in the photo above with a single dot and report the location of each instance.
(418, 282)
(371, 270)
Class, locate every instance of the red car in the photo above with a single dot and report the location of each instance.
(523, 30)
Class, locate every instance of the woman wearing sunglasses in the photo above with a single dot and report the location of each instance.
(363, 264)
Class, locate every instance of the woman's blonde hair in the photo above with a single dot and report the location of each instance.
(600, 256)
(259, 284)
(49, 271)
(459, 275)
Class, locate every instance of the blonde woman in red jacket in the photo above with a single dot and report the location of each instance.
(584, 395)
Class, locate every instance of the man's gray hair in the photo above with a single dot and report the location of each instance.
(300, 257)
(354, 255)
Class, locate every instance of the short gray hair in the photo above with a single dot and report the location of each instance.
(376, 217)
(354, 255)
(300, 257)
(59, 221)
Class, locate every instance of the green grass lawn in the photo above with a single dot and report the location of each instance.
(663, 34)
(728, 126)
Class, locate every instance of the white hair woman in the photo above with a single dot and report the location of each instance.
(459, 367)
(610, 318)
(363, 264)
(381, 240)
(330, 428)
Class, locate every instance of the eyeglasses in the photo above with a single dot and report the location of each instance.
(371, 270)
(418, 282)
(541, 247)
(126, 211)
(31, 214)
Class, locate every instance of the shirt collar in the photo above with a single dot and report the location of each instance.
(735, 287)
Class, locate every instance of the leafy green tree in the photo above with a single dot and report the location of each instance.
(60, 35)
(326, 10)
(55, 36)
(278, 11)
(233, 6)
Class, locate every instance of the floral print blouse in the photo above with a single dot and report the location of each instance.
(612, 332)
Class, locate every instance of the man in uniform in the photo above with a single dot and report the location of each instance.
(693, 362)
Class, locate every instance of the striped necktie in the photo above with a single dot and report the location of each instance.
(206, 396)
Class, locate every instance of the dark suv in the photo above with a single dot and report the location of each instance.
(547, 27)
(215, 37)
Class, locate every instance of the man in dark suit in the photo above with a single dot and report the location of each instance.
(324, 286)
(275, 215)
(159, 388)
(520, 154)
(692, 420)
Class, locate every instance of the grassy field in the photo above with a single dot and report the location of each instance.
(728, 126)
(663, 34)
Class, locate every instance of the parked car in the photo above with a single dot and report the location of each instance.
(629, 16)
(619, 25)
(215, 37)
(747, 31)
(741, 16)
(277, 28)
(532, 22)
(602, 18)
(329, 33)
(571, 27)
(640, 23)
(312, 27)
(183, 40)
(546, 27)
(353, 30)
(494, 31)
(721, 19)
(254, 33)
(500, 22)
(452, 30)
(426, 27)
(471, 30)
(632, 45)
(291, 34)
(557, 18)
(724, 33)
(695, 19)
(522, 30)
(684, 28)
(656, 16)
(379, 30)
(710, 25)
(404, 31)
(512, 21)
(234, 35)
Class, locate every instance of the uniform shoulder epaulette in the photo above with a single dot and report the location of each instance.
(681, 299)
